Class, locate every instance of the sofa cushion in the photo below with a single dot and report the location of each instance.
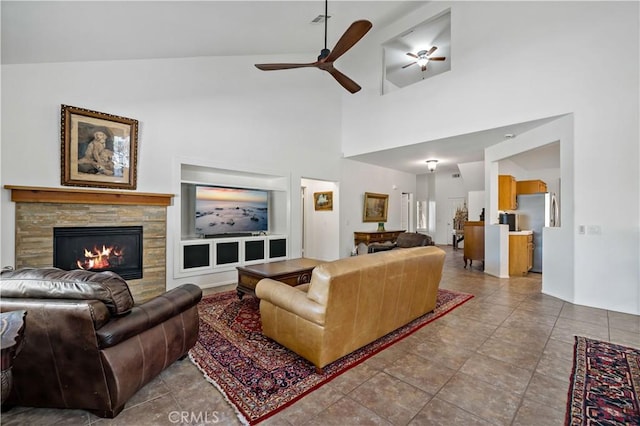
(53, 283)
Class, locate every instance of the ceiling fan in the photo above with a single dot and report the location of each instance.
(351, 36)
(423, 57)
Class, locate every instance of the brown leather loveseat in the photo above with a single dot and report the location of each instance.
(86, 345)
(351, 302)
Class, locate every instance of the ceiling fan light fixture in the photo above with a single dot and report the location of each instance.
(431, 165)
(422, 61)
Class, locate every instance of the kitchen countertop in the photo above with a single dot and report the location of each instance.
(520, 232)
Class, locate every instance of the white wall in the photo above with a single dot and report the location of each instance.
(218, 113)
(364, 178)
(507, 67)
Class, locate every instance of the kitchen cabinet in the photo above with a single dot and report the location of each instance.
(530, 186)
(507, 192)
(520, 252)
(473, 242)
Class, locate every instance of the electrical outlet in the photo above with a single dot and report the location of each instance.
(581, 229)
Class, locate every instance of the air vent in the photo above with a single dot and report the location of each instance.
(320, 19)
(405, 34)
(455, 175)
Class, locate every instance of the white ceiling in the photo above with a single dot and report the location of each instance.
(78, 31)
(463, 149)
(70, 31)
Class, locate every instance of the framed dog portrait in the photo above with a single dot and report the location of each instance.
(375, 207)
(323, 200)
(98, 149)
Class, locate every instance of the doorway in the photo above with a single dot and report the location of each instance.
(455, 203)
(320, 223)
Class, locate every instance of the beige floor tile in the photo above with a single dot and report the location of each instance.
(625, 338)
(390, 398)
(518, 355)
(422, 373)
(482, 399)
(566, 329)
(532, 413)
(625, 322)
(497, 373)
(548, 391)
(347, 412)
(445, 354)
(552, 366)
(353, 378)
(441, 413)
(585, 314)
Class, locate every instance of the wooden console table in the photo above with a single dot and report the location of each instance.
(367, 238)
(292, 272)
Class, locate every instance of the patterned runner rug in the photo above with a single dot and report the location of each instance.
(258, 376)
(605, 384)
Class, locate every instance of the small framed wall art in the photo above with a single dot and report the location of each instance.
(375, 207)
(323, 200)
(98, 149)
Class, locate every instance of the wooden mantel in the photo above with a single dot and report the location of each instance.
(34, 194)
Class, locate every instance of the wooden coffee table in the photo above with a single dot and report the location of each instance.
(292, 272)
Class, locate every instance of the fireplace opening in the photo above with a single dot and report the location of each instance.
(99, 248)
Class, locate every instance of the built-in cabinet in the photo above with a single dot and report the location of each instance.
(520, 253)
(530, 186)
(201, 256)
(473, 242)
(506, 193)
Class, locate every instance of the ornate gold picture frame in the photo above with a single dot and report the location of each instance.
(323, 200)
(98, 149)
(375, 207)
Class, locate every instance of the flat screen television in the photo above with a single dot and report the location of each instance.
(221, 211)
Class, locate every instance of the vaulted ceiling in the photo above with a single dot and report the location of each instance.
(73, 31)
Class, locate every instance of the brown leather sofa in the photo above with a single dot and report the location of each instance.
(351, 302)
(86, 345)
(404, 240)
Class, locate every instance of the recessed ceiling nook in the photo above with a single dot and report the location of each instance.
(418, 53)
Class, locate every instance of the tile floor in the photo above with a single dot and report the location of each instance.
(503, 358)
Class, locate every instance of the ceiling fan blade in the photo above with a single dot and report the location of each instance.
(345, 81)
(408, 65)
(437, 58)
(433, 49)
(424, 68)
(272, 67)
(354, 33)
(412, 55)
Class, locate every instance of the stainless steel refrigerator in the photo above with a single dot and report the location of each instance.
(536, 211)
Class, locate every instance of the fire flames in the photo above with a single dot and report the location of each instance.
(101, 258)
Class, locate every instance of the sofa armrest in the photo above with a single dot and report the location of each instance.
(290, 299)
(149, 314)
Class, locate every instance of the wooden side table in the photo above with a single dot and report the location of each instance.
(12, 327)
(292, 272)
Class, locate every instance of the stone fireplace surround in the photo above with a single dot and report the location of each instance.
(39, 210)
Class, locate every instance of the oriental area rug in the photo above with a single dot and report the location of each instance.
(258, 376)
(605, 384)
